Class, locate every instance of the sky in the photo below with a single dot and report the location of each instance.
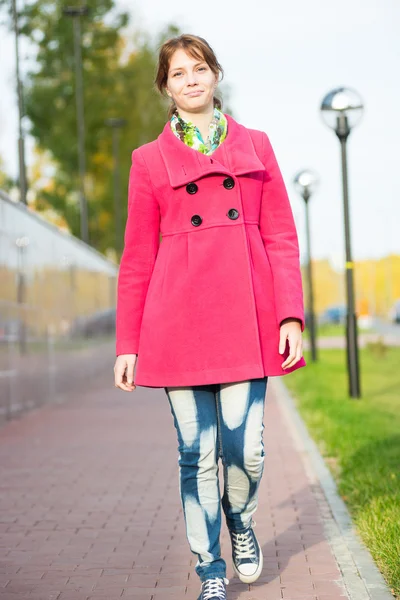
(280, 58)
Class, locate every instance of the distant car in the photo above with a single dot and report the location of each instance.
(9, 329)
(333, 315)
(99, 323)
(395, 312)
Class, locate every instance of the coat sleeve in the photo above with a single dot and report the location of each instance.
(141, 243)
(278, 232)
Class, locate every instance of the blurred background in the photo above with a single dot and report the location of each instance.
(77, 97)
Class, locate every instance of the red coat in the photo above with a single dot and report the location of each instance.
(204, 305)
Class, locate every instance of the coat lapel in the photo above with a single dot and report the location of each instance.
(235, 156)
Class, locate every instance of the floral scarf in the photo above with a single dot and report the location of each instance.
(191, 136)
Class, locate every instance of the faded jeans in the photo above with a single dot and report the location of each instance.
(218, 421)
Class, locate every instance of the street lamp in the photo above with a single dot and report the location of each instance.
(21, 141)
(116, 124)
(76, 13)
(305, 183)
(341, 110)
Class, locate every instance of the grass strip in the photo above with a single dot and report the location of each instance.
(360, 441)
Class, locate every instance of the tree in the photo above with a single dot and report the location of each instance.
(118, 81)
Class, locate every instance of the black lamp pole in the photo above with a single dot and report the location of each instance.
(343, 131)
(305, 183)
(76, 13)
(342, 109)
(312, 325)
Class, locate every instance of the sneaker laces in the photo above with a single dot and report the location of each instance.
(214, 588)
(243, 544)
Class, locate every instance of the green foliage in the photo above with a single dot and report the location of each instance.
(6, 183)
(118, 82)
(361, 443)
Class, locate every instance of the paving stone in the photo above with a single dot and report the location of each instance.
(92, 509)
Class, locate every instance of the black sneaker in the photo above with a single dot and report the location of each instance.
(247, 558)
(213, 589)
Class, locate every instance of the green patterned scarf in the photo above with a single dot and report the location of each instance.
(191, 136)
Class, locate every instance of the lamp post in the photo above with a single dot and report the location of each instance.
(22, 244)
(76, 13)
(21, 141)
(116, 124)
(341, 110)
(305, 183)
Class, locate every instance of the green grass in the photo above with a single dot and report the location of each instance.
(330, 330)
(335, 330)
(360, 440)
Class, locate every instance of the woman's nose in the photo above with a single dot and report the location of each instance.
(191, 79)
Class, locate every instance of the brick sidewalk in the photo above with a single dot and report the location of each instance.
(90, 507)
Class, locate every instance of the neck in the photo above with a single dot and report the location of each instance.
(201, 119)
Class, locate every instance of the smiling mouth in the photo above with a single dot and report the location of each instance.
(194, 93)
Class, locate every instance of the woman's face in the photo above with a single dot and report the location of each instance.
(191, 83)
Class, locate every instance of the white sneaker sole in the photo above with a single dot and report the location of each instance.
(251, 578)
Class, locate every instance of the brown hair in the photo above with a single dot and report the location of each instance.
(196, 47)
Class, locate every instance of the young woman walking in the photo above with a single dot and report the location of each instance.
(214, 309)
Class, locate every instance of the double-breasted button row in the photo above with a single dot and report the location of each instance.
(193, 188)
(228, 183)
(232, 213)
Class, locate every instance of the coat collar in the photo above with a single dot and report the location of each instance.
(235, 156)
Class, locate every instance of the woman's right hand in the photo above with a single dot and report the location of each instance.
(123, 372)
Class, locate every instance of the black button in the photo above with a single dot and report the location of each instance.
(229, 183)
(196, 220)
(191, 188)
(233, 213)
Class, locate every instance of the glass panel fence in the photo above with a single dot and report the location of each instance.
(57, 311)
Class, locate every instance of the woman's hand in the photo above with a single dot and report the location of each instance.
(123, 372)
(290, 329)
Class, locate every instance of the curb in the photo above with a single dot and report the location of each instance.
(361, 576)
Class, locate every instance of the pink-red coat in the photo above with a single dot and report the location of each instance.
(205, 304)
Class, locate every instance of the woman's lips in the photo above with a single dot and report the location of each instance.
(194, 94)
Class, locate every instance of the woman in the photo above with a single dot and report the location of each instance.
(214, 309)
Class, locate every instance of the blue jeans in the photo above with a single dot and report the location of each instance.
(218, 421)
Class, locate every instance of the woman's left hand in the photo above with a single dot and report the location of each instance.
(290, 329)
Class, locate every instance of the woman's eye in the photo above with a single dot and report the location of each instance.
(177, 73)
(202, 68)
